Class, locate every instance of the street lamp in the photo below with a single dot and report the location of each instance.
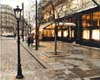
(17, 12)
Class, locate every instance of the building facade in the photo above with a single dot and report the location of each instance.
(8, 22)
(7, 19)
(84, 13)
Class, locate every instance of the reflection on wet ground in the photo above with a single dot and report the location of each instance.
(72, 62)
(78, 62)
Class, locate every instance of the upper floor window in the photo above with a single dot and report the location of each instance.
(91, 19)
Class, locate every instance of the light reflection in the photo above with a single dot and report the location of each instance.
(44, 58)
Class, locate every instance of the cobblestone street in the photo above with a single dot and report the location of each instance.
(49, 39)
(73, 62)
(8, 62)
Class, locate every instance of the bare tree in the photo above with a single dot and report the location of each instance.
(56, 23)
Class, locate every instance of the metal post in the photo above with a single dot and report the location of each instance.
(29, 24)
(19, 70)
(23, 22)
(55, 39)
(36, 35)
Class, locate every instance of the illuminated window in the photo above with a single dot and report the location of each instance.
(86, 20)
(86, 34)
(96, 18)
(45, 33)
(66, 33)
(59, 33)
(96, 34)
(72, 33)
(92, 19)
(53, 33)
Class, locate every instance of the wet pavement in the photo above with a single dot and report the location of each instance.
(31, 69)
(73, 62)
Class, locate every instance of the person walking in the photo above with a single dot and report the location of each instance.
(30, 40)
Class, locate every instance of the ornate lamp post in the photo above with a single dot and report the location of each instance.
(18, 16)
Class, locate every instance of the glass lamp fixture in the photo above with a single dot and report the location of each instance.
(17, 12)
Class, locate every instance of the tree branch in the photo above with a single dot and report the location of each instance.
(95, 2)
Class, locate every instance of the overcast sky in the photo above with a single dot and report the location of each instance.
(28, 3)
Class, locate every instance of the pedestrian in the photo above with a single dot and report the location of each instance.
(29, 40)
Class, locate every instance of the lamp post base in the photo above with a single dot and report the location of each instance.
(19, 72)
(19, 76)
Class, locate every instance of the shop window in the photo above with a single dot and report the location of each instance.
(53, 33)
(87, 20)
(86, 34)
(96, 34)
(96, 18)
(72, 33)
(59, 33)
(91, 20)
(49, 33)
(66, 33)
(45, 32)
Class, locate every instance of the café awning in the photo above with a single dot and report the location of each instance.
(67, 24)
(45, 25)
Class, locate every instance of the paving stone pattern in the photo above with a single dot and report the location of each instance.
(77, 62)
(8, 63)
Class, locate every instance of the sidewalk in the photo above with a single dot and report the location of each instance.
(31, 69)
(76, 62)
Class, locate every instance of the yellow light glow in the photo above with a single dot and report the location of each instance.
(86, 34)
(40, 29)
(96, 34)
(59, 34)
(72, 33)
(53, 33)
(65, 33)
